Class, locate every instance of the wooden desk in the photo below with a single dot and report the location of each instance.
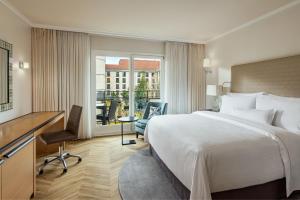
(19, 145)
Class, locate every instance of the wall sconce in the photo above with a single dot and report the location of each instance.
(206, 62)
(23, 65)
(225, 87)
(207, 65)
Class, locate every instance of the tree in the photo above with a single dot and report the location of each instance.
(141, 92)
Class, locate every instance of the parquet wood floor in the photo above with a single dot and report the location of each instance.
(96, 177)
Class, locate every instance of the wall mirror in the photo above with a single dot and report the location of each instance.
(5, 76)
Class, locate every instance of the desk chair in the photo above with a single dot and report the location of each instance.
(70, 133)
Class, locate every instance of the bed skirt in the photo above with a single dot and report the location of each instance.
(271, 190)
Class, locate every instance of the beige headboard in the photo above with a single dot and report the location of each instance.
(279, 76)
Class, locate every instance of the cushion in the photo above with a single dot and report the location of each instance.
(142, 123)
(57, 137)
(287, 110)
(153, 111)
(261, 116)
(231, 102)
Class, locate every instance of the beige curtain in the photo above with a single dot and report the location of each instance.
(44, 70)
(61, 73)
(185, 81)
(196, 78)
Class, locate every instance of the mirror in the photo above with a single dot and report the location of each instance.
(5, 76)
(4, 68)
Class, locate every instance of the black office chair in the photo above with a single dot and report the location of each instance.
(70, 133)
(111, 116)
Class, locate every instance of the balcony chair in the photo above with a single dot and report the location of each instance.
(70, 133)
(140, 125)
(111, 115)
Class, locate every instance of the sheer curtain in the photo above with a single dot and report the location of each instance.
(196, 78)
(185, 82)
(61, 73)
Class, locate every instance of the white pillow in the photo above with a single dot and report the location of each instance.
(261, 116)
(287, 110)
(231, 102)
(248, 94)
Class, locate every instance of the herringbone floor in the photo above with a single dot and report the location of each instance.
(96, 177)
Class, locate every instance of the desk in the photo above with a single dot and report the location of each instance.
(19, 145)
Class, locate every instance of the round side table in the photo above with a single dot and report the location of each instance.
(123, 120)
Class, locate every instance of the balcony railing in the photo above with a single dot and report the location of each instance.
(104, 95)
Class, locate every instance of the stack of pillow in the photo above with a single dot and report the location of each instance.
(264, 108)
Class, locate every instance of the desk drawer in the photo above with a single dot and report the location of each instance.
(18, 171)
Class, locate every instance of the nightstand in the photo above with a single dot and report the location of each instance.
(211, 110)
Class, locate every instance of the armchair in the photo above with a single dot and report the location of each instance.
(140, 125)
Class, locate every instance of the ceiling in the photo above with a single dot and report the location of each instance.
(176, 20)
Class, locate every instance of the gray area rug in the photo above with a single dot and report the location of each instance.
(141, 178)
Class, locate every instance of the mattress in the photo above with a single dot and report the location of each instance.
(212, 152)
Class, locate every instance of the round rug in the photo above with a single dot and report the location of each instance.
(142, 178)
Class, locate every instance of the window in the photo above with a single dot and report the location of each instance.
(128, 80)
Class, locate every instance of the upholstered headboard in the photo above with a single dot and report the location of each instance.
(279, 76)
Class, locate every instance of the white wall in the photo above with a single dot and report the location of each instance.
(106, 43)
(273, 37)
(16, 32)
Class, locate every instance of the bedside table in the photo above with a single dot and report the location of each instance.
(211, 110)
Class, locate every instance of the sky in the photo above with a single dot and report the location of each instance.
(115, 60)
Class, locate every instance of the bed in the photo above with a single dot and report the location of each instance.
(216, 155)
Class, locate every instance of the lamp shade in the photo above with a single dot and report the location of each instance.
(206, 62)
(211, 90)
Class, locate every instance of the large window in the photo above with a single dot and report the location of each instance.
(124, 85)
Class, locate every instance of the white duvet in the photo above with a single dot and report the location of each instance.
(211, 152)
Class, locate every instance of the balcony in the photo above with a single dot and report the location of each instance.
(111, 105)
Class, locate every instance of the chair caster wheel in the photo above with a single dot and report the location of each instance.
(79, 160)
(65, 171)
(41, 172)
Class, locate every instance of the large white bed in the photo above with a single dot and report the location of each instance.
(212, 152)
(249, 147)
